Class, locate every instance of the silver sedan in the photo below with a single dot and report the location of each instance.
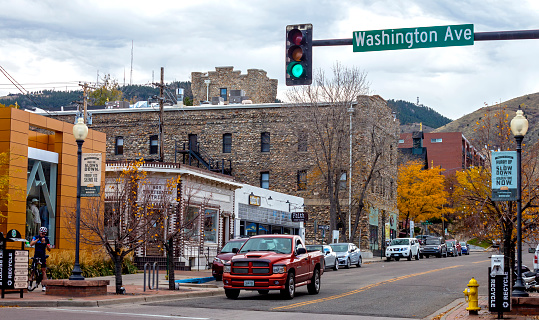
(330, 257)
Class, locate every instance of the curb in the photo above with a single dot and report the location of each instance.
(108, 302)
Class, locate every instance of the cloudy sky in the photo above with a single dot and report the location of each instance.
(47, 44)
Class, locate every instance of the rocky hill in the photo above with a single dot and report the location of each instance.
(466, 124)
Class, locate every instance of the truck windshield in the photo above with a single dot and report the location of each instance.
(432, 241)
(278, 245)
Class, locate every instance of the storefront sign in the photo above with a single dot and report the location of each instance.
(299, 216)
(90, 184)
(254, 200)
(504, 175)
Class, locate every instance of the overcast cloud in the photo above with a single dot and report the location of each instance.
(47, 43)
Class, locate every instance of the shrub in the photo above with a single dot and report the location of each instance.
(93, 264)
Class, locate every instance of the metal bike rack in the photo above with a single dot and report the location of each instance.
(154, 274)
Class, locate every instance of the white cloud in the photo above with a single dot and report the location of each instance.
(62, 41)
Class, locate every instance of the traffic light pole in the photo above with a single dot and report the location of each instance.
(478, 36)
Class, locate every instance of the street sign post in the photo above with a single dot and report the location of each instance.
(413, 38)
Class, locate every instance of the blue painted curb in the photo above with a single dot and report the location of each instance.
(196, 280)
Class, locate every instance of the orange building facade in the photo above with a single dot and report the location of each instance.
(42, 173)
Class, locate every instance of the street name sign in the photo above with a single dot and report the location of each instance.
(413, 38)
(504, 175)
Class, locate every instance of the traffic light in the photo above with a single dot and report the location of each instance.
(298, 60)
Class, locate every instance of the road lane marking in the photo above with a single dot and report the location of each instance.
(130, 314)
(349, 293)
(481, 261)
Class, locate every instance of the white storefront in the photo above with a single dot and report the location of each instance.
(262, 211)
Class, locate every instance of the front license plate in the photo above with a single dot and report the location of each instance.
(249, 283)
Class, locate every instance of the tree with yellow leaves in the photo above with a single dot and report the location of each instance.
(422, 193)
(484, 218)
(121, 219)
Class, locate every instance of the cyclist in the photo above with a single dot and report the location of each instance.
(41, 243)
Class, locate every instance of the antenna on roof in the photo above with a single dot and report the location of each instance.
(417, 101)
(131, 75)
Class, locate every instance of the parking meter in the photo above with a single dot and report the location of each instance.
(496, 265)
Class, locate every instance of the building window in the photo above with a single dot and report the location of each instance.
(191, 223)
(119, 146)
(435, 140)
(154, 144)
(401, 141)
(265, 142)
(223, 93)
(302, 179)
(227, 143)
(302, 141)
(342, 181)
(210, 225)
(264, 180)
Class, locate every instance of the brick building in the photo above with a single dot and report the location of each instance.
(262, 145)
(449, 150)
(256, 85)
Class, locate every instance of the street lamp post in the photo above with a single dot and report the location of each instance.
(519, 127)
(80, 131)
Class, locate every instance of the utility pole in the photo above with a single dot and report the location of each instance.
(85, 88)
(161, 86)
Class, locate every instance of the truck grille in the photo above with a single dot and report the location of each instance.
(251, 267)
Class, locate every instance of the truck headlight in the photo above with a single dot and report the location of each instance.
(226, 268)
(279, 269)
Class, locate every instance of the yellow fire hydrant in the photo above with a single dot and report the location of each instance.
(471, 296)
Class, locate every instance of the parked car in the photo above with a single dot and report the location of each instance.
(403, 248)
(465, 247)
(456, 251)
(273, 262)
(435, 246)
(330, 257)
(347, 254)
(224, 256)
(535, 263)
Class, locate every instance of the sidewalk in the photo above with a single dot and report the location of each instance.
(134, 286)
(457, 310)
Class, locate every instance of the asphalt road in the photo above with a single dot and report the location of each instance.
(403, 289)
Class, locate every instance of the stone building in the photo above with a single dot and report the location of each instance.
(256, 85)
(264, 145)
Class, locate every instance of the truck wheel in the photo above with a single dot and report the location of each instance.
(427, 256)
(290, 287)
(314, 286)
(417, 256)
(388, 259)
(409, 258)
(232, 293)
(397, 258)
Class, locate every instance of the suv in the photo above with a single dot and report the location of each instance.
(435, 247)
(403, 248)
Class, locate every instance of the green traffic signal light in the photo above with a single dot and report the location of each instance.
(298, 54)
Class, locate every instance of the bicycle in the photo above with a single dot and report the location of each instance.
(35, 275)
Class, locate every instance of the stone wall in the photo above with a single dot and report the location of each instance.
(256, 84)
(376, 133)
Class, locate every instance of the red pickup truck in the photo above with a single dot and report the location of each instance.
(273, 262)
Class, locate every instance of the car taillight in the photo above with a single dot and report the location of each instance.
(535, 259)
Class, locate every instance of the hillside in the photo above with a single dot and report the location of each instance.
(49, 99)
(409, 113)
(466, 124)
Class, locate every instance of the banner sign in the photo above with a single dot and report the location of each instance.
(413, 38)
(90, 184)
(504, 175)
